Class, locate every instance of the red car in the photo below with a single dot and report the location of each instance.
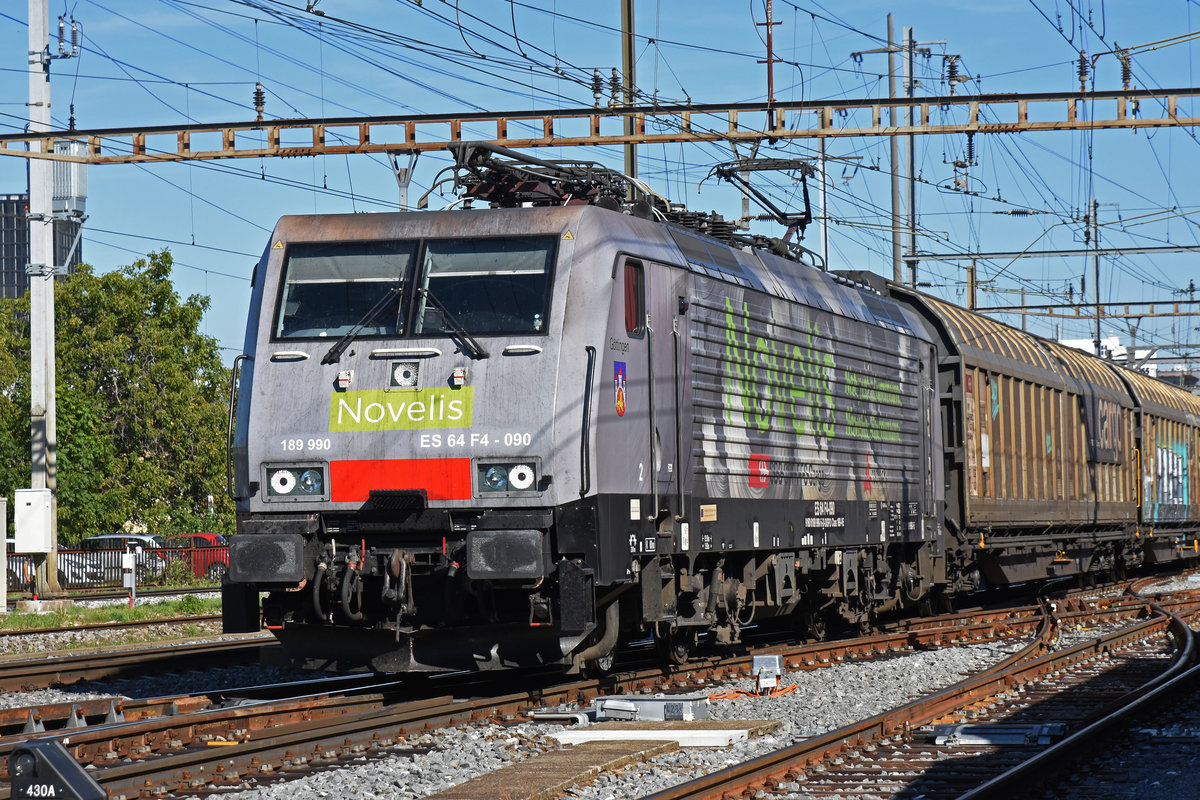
(206, 553)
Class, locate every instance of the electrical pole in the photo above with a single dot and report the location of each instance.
(824, 195)
(770, 60)
(1095, 244)
(628, 58)
(910, 82)
(897, 264)
(41, 292)
(897, 261)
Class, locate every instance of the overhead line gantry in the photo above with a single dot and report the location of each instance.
(1012, 113)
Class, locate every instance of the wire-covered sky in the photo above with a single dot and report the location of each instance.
(166, 62)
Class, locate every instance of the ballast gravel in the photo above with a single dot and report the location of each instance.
(1180, 584)
(824, 700)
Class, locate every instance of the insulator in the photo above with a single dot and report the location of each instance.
(260, 99)
(951, 71)
(970, 147)
(1126, 68)
(1083, 70)
(597, 86)
(61, 41)
(74, 38)
(614, 88)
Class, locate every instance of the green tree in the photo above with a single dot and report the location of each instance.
(141, 404)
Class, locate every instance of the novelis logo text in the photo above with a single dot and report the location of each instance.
(400, 410)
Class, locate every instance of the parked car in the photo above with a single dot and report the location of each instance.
(77, 569)
(150, 564)
(207, 554)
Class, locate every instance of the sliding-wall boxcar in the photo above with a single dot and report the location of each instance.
(1167, 460)
(1044, 447)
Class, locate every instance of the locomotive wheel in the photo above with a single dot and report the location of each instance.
(677, 646)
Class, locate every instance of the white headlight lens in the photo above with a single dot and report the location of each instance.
(521, 476)
(283, 481)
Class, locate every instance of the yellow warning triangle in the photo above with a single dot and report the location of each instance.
(278, 245)
(567, 236)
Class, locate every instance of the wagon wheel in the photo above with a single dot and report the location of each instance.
(601, 665)
(814, 625)
(677, 645)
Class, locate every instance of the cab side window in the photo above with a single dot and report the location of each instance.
(635, 298)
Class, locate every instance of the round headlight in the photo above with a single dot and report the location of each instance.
(496, 478)
(310, 481)
(283, 481)
(521, 476)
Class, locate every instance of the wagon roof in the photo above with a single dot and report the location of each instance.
(1160, 397)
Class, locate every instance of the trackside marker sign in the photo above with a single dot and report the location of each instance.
(400, 410)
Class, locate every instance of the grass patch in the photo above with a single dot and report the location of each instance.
(189, 605)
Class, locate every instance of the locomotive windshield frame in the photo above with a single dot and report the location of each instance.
(328, 287)
(488, 286)
(493, 285)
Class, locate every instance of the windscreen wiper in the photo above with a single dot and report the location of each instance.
(457, 332)
(335, 353)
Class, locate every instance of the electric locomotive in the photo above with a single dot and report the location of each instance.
(514, 436)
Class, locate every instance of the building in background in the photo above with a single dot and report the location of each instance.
(70, 204)
(14, 244)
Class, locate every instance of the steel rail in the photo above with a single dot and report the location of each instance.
(377, 730)
(1019, 669)
(109, 626)
(1180, 677)
(260, 737)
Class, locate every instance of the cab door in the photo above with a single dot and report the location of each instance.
(668, 353)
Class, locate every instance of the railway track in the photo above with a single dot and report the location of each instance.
(112, 626)
(184, 743)
(70, 666)
(983, 737)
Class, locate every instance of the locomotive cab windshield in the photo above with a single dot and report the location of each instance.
(487, 286)
(329, 288)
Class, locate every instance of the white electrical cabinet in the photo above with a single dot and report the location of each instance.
(32, 518)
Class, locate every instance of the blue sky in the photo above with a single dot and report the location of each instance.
(165, 62)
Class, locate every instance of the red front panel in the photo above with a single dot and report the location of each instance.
(441, 478)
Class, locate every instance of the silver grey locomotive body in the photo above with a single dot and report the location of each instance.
(511, 437)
